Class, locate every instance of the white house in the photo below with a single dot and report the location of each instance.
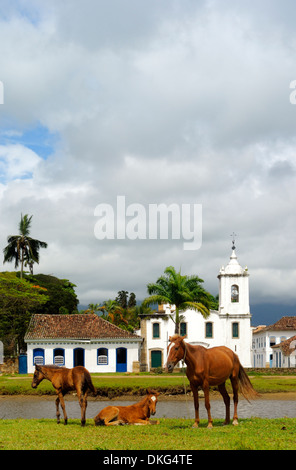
(284, 354)
(229, 326)
(265, 338)
(81, 339)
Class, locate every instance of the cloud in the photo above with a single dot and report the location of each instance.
(17, 161)
(186, 103)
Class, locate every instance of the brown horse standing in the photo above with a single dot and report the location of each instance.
(64, 380)
(206, 367)
(131, 414)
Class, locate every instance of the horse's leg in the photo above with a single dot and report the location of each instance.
(57, 402)
(111, 417)
(234, 383)
(196, 405)
(82, 402)
(206, 390)
(83, 405)
(61, 399)
(141, 422)
(226, 398)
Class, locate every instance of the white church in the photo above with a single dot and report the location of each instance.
(229, 326)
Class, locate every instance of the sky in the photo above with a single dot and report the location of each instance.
(174, 102)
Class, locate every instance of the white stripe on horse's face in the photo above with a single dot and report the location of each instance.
(170, 347)
(153, 398)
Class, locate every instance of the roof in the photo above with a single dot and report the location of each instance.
(233, 268)
(285, 323)
(77, 326)
(259, 328)
(286, 346)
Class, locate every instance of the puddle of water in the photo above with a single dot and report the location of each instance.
(44, 407)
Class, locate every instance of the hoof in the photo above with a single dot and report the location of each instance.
(195, 425)
(210, 426)
(235, 422)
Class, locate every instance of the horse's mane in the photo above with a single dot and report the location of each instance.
(53, 366)
(175, 337)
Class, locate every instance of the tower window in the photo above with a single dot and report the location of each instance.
(209, 330)
(235, 330)
(234, 293)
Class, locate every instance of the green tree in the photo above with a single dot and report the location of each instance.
(94, 308)
(132, 300)
(21, 248)
(122, 311)
(18, 299)
(61, 294)
(126, 300)
(184, 292)
(122, 298)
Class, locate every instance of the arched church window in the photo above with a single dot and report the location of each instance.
(234, 293)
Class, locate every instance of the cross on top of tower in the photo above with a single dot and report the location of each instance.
(233, 235)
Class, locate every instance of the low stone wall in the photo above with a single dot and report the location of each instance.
(10, 366)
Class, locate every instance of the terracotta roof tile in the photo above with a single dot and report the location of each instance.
(285, 323)
(79, 326)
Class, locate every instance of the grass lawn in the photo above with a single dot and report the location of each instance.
(170, 434)
(117, 384)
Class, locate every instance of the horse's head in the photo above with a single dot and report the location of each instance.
(152, 400)
(37, 377)
(176, 351)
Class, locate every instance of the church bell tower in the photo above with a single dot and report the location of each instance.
(234, 287)
(234, 308)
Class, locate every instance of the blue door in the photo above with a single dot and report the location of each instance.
(121, 360)
(23, 366)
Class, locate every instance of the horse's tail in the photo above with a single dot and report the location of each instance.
(246, 387)
(90, 385)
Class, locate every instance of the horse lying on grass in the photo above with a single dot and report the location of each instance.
(64, 380)
(138, 413)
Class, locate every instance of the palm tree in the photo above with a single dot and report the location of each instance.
(184, 292)
(22, 248)
(94, 308)
(114, 312)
